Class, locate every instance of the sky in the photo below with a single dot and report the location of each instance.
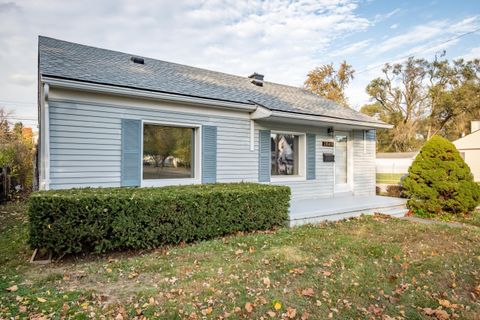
(281, 39)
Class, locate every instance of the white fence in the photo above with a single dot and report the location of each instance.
(393, 165)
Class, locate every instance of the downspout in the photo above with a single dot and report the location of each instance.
(259, 113)
(46, 138)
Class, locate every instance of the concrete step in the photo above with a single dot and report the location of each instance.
(312, 217)
(394, 211)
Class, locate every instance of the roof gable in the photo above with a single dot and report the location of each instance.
(470, 141)
(62, 59)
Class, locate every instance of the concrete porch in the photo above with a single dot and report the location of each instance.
(322, 209)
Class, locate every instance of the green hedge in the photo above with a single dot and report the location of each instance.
(100, 220)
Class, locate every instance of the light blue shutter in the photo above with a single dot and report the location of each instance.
(131, 152)
(264, 156)
(209, 154)
(311, 157)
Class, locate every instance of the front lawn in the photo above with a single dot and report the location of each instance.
(389, 178)
(365, 268)
(472, 218)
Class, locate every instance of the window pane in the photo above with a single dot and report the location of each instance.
(284, 154)
(167, 152)
(341, 159)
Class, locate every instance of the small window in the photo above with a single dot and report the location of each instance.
(284, 154)
(168, 152)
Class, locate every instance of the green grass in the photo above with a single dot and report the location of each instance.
(389, 178)
(365, 268)
(472, 218)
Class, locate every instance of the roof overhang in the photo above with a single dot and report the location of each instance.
(145, 94)
(257, 112)
(267, 115)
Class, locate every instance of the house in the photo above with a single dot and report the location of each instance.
(112, 119)
(469, 148)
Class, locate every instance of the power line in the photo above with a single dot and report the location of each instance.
(414, 53)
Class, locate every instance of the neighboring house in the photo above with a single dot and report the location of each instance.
(104, 116)
(469, 148)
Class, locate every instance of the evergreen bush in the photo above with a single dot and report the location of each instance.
(439, 180)
(100, 220)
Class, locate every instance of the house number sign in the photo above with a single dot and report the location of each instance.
(327, 144)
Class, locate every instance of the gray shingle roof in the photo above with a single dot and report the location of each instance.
(74, 61)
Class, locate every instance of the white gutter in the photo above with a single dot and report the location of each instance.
(257, 112)
(101, 88)
(330, 120)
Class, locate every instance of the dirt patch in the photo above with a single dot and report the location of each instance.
(289, 254)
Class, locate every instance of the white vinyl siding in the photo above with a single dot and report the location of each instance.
(85, 146)
(364, 163)
(86, 143)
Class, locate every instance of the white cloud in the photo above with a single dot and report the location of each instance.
(386, 16)
(473, 53)
(433, 30)
(351, 49)
(394, 26)
(281, 39)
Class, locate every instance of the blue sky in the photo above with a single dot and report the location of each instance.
(281, 39)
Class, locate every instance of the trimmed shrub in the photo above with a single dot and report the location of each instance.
(100, 220)
(394, 190)
(440, 181)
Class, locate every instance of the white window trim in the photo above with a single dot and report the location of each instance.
(302, 158)
(197, 171)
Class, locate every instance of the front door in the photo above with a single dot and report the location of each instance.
(342, 181)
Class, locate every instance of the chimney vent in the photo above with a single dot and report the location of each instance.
(137, 60)
(474, 126)
(257, 79)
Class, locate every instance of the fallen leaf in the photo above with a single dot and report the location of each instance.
(266, 281)
(296, 271)
(238, 252)
(291, 312)
(444, 303)
(271, 314)
(326, 273)
(307, 292)
(42, 300)
(441, 314)
(305, 315)
(207, 311)
(22, 309)
(12, 288)
(248, 307)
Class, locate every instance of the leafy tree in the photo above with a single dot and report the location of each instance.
(422, 98)
(440, 181)
(454, 92)
(16, 151)
(402, 99)
(330, 83)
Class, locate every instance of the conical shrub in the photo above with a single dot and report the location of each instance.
(439, 180)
